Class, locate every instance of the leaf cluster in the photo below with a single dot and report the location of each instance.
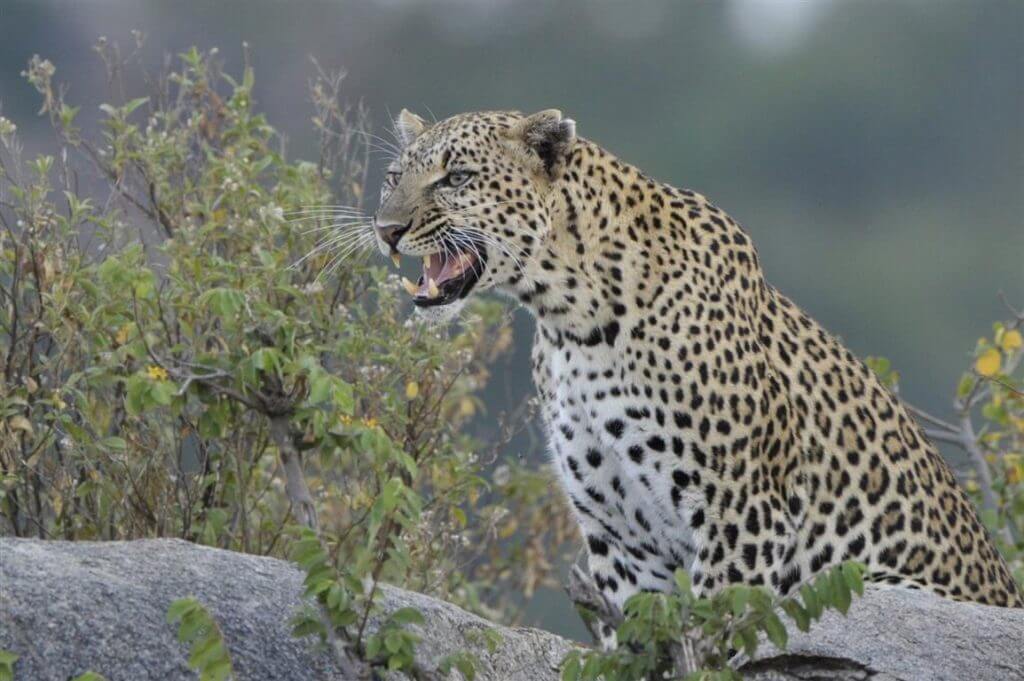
(208, 654)
(697, 638)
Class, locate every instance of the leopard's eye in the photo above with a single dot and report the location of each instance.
(457, 178)
(393, 177)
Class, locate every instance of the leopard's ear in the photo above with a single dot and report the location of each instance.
(408, 126)
(548, 134)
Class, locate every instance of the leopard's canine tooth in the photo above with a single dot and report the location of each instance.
(395, 259)
(432, 289)
(409, 286)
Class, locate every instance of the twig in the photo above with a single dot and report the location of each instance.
(295, 482)
(584, 594)
(1010, 532)
(935, 421)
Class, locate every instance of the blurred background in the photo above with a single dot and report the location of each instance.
(873, 150)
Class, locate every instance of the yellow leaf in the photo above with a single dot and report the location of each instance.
(157, 373)
(19, 422)
(988, 363)
(412, 389)
(1011, 340)
(466, 406)
(123, 334)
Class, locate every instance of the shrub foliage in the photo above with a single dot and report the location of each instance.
(191, 351)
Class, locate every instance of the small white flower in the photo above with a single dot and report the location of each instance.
(7, 128)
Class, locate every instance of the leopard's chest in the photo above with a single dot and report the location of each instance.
(620, 462)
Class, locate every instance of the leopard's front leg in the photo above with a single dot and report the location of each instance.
(606, 585)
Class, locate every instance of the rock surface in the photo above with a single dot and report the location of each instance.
(70, 607)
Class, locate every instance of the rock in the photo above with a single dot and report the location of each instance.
(894, 633)
(70, 607)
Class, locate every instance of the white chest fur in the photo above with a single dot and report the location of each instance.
(618, 465)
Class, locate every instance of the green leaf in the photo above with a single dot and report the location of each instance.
(799, 614)
(571, 667)
(811, 601)
(343, 397)
(114, 274)
(684, 584)
(739, 597)
(116, 444)
(217, 671)
(134, 104)
(493, 639)
(208, 654)
(749, 638)
(854, 579)
(405, 616)
(776, 631)
(205, 651)
(465, 665)
(823, 588)
(319, 387)
(966, 385)
(162, 392)
(223, 302)
(137, 389)
(180, 608)
(7, 660)
(145, 283)
(840, 591)
(308, 627)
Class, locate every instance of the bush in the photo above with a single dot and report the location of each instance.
(199, 354)
(680, 635)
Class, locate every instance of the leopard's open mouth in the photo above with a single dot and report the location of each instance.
(448, 275)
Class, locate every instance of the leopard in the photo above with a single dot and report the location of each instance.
(697, 419)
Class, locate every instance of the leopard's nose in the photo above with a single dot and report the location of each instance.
(391, 232)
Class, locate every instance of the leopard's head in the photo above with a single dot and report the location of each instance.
(468, 195)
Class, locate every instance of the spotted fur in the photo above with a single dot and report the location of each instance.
(697, 417)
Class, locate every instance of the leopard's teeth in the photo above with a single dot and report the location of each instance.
(428, 260)
(432, 289)
(395, 259)
(409, 286)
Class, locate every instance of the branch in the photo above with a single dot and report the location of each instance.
(295, 482)
(586, 596)
(1010, 533)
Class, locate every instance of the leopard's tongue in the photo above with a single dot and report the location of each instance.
(441, 269)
